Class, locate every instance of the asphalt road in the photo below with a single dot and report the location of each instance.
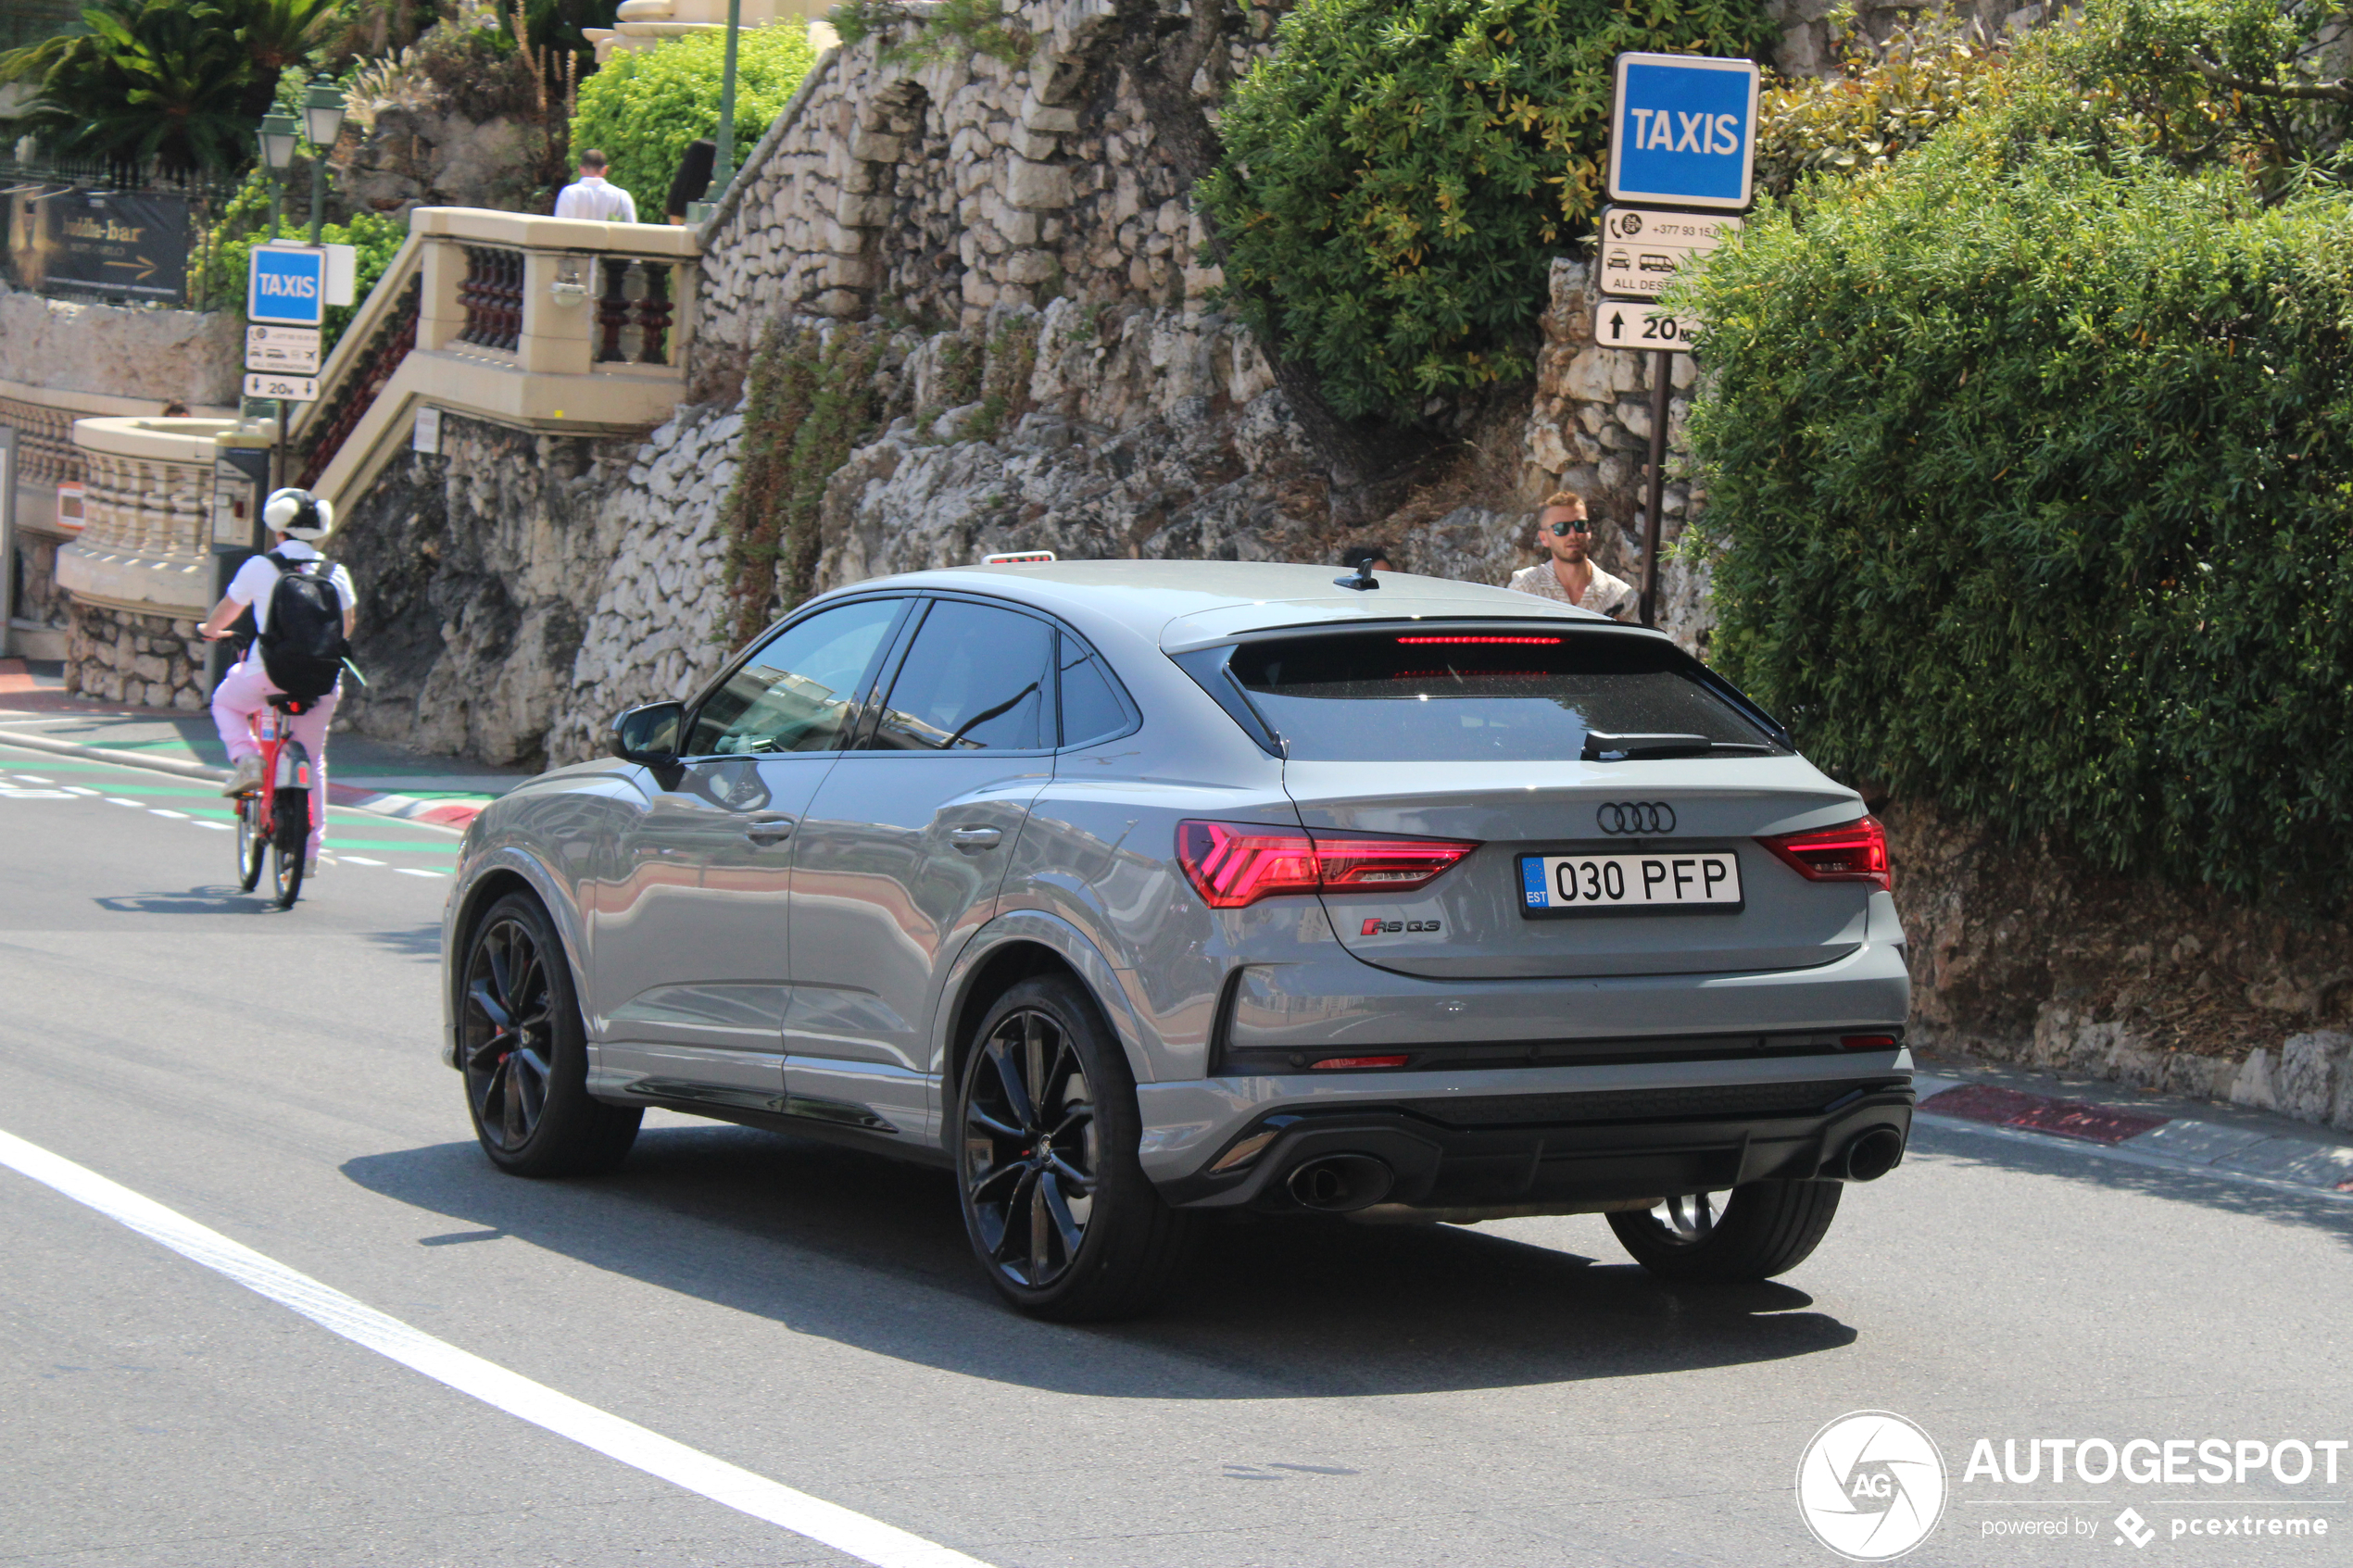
(1511, 1394)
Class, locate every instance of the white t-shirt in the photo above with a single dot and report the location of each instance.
(596, 198)
(257, 577)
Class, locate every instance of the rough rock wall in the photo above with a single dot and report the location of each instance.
(2024, 952)
(935, 194)
(654, 633)
(474, 569)
(196, 357)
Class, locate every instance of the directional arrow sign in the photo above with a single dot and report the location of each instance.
(1625, 324)
(1683, 131)
(1643, 247)
(286, 389)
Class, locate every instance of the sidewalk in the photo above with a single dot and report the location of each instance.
(2137, 1128)
(365, 775)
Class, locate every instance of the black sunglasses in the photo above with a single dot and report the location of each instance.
(1574, 525)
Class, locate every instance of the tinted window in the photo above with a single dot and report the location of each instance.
(1090, 707)
(1503, 696)
(797, 692)
(974, 681)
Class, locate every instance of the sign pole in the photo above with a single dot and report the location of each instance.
(8, 533)
(1662, 373)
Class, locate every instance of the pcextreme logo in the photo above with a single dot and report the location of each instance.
(1870, 1486)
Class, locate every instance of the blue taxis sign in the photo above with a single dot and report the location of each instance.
(1683, 131)
(287, 286)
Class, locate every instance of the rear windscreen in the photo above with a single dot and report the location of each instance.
(1441, 697)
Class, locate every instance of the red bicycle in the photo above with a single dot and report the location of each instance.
(276, 815)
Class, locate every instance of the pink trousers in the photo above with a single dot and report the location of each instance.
(246, 690)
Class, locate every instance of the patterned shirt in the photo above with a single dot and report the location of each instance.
(1612, 597)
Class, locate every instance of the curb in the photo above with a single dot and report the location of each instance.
(451, 814)
(2278, 1160)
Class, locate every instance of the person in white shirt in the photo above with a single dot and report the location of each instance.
(1570, 576)
(296, 520)
(593, 197)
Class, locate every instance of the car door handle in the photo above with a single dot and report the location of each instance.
(769, 830)
(975, 838)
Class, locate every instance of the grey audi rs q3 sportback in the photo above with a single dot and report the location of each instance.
(1132, 892)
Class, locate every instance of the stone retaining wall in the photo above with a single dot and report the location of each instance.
(145, 660)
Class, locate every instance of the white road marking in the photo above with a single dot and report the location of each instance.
(224, 827)
(357, 860)
(160, 811)
(35, 778)
(118, 801)
(77, 789)
(12, 793)
(869, 1540)
(411, 871)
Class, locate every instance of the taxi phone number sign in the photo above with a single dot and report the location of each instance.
(1683, 131)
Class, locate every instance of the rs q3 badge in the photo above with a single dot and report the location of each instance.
(1377, 927)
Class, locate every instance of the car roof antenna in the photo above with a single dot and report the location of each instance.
(1364, 581)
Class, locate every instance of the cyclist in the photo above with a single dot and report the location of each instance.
(297, 520)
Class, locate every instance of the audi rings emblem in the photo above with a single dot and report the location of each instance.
(1647, 817)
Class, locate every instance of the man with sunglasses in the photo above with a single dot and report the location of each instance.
(1571, 576)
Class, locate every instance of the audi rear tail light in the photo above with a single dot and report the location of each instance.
(1234, 864)
(1855, 851)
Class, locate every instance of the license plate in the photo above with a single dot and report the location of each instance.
(1705, 881)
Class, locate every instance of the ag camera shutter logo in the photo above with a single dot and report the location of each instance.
(1871, 1485)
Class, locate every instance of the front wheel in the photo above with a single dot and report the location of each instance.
(252, 843)
(525, 1052)
(1750, 1233)
(1055, 1202)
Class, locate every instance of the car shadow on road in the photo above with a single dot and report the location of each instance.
(870, 1253)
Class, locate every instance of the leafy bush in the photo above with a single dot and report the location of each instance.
(643, 109)
(1884, 102)
(2030, 484)
(951, 27)
(1399, 173)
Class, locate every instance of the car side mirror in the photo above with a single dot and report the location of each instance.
(649, 735)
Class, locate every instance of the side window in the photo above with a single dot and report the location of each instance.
(1090, 707)
(976, 679)
(796, 694)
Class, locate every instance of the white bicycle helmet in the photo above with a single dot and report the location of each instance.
(298, 514)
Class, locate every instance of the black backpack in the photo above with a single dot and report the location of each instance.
(304, 648)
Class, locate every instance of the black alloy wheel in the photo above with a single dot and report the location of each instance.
(1056, 1205)
(1748, 1233)
(1030, 1148)
(524, 1052)
(290, 840)
(252, 843)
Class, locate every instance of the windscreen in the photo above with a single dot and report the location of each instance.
(1501, 695)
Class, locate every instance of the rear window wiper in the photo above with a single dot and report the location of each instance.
(1600, 747)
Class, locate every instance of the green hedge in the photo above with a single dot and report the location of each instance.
(642, 108)
(2030, 482)
(1399, 174)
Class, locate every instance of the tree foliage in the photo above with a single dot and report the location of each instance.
(2029, 472)
(1399, 173)
(645, 106)
(1882, 103)
(184, 85)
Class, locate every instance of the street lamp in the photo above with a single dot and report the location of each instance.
(322, 121)
(723, 166)
(278, 132)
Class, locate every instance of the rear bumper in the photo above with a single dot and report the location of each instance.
(1567, 1149)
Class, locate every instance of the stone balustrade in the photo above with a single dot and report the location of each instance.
(558, 326)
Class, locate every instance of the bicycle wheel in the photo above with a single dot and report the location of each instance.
(288, 844)
(251, 841)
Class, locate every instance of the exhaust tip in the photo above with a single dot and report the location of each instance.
(1337, 1182)
(1873, 1154)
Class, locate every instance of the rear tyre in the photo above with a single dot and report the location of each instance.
(251, 843)
(290, 837)
(525, 1052)
(1056, 1205)
(1750, 1233)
